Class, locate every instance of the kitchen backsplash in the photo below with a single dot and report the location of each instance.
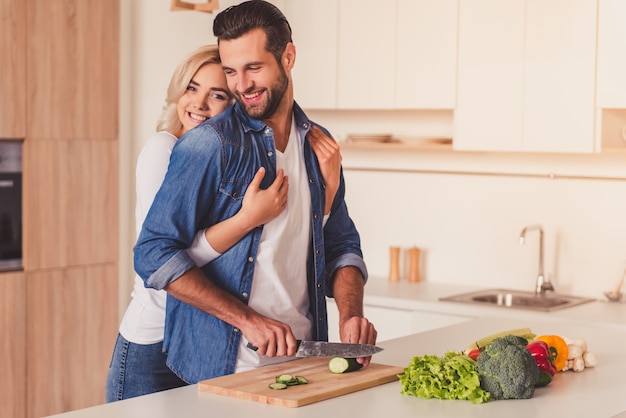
(468, 225)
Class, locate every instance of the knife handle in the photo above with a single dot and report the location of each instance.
(254, 347)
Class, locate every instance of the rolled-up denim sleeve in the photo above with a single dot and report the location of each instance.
(342, 242)
(179, 206)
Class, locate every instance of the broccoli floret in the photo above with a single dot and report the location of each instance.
(507, 370)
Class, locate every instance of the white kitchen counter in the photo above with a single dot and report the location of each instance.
(424, 297)
(597, 392)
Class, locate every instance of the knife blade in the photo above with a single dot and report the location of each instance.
(326, 349)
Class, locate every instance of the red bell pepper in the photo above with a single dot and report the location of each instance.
(473, 354)
(540, 351)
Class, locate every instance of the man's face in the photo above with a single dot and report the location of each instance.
(254, 77)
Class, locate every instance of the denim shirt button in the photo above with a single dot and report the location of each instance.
(245, 295)
(270, 153)
(250, 259)
(317, 251)
(311, 180)
(235, 330)
(305, 126)
(316, 216)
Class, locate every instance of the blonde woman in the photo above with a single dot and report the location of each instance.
(197, 92)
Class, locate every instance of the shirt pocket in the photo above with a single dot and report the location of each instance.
(230, 197)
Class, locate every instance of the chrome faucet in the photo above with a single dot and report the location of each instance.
(543, 285)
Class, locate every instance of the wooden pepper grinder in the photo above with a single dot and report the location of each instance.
(414, 264)
(394, 264)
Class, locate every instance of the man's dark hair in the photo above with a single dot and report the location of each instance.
(238, 20)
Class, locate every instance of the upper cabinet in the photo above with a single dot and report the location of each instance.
(357, 54)
(315, 35)
(526, 75)
(611, 91)
(366, 54)
(72, 70)
(12, 69)
(426, 54)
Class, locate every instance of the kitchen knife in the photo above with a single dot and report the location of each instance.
(326, 349)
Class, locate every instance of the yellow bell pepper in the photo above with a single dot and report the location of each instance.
(558, 349)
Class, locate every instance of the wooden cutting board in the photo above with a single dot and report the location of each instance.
(253, 384)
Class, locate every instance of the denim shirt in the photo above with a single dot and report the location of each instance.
(210, 169)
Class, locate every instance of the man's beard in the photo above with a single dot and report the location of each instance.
(274, 95)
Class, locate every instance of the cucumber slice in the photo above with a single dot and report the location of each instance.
(285, 378)
(302, 380)
(340, 365)
(278, 386)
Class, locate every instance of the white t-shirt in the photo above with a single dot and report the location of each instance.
(144, 319)
(279, 285)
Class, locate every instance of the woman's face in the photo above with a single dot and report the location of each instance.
(205, 97)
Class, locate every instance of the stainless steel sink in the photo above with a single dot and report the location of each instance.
(518, 299)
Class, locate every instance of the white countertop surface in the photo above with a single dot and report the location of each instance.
(424, 296)
(597, 392)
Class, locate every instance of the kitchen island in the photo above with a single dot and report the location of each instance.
(597, 392)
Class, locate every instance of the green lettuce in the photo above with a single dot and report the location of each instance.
(452, 376)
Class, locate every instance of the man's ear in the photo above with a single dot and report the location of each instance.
(289, 56)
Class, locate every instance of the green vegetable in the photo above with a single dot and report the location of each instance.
(452, 376)
(284, 380)
(544, 379)
(302, 380)
(340, 365)
(507, 370)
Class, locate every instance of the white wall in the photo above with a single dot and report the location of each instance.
(468, 225)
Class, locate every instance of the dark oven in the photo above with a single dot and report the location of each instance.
(10, 205)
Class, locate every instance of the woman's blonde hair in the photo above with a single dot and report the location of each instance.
(169, 120)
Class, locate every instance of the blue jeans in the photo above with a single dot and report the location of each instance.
(138, 369)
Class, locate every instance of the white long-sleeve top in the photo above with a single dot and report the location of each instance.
(144, 319)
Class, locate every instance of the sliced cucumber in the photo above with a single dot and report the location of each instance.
(340, 365)
(302, 380)
(285, 378)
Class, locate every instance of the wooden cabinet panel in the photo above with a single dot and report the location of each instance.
(13, 344)
(12, 69)
(70, 202)
(71, 331)
(72, 68)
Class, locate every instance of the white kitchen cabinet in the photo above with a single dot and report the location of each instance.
(357, 54)
(314, 26)
(366, 54)
(426, 40)
(392, 322)
(526, 75)
(488, 115)
(611, 77)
